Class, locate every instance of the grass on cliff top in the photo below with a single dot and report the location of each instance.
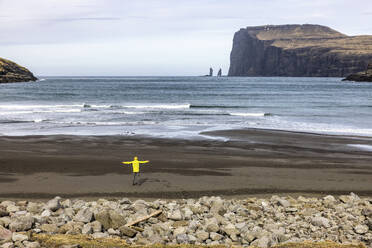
(85, 241)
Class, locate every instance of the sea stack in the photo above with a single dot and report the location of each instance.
(219, 74)
(11, 72)
(365, 76)
(211, 72)
(298, 51)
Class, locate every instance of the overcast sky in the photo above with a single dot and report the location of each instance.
(152, 37)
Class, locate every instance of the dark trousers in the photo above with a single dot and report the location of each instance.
(135, 175)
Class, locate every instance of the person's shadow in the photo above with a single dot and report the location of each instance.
(142, 181)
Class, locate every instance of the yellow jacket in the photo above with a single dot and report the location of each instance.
(135, 164)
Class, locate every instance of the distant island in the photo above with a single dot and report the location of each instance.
(298, 51)
(11, 72)
(364, 76)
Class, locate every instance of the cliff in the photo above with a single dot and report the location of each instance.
(298, 50)
(10, 72)
(365, 76)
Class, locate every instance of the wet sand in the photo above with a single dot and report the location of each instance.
(250, 162)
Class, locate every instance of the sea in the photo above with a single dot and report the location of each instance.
(184, 107)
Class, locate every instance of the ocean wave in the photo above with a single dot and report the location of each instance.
(14, 121)
(159, 106)
(106, 123)
(128, 112)
(22, 121)
(41, 111)
(250, 114)
(215, 106)
(28, 107)
(96, 106)
(139, 106)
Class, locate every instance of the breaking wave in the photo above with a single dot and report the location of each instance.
(251, 114)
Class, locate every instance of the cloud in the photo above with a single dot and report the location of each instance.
(86, 19)
(149, 35)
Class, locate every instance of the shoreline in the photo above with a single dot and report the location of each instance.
(250, 162)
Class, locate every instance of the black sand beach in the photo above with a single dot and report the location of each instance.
(251, 162)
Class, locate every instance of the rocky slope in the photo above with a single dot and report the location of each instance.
(365, 76)
(10, 72)
(208, 220)
(298, 50)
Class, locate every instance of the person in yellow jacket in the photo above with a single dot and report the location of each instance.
(135, 166)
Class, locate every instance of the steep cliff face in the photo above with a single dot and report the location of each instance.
(365, 76)
(298, 50)
(10, 72)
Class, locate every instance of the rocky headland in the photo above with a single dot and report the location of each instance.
(298, 50)
(365, 76)
(255, 222)
(11, 72)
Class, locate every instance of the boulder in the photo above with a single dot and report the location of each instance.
(112, 231)
(179, 230)
(116, 219)
(19, 237)
(7, 245)
(99, 235)
(320, 221)
(104, 218)
(33, 207)
(96, 226)
(211, 225)
(84, 215)
(46, 213)
(71, 228)
(230, 230)
(21, 223)
(361, 229)
(367, 211)
(54, 204)
(87, 229)
(284, 203)
(5, 234)
(12, 208)
(202, 235)
(262, 242)
(215, 236)
(3, 211)
(175, 215)
(127, 231)
(182, 238)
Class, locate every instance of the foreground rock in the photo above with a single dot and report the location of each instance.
(298, 51)
(10, 72)
(205, 221)
(365, 76)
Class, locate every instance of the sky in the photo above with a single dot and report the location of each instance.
(152, 37)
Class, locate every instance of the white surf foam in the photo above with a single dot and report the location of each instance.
(249, 114)
(30, 107)
(362, 147)
(159, 106)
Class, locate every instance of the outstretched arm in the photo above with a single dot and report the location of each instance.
(144, 162)
(126, 162)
